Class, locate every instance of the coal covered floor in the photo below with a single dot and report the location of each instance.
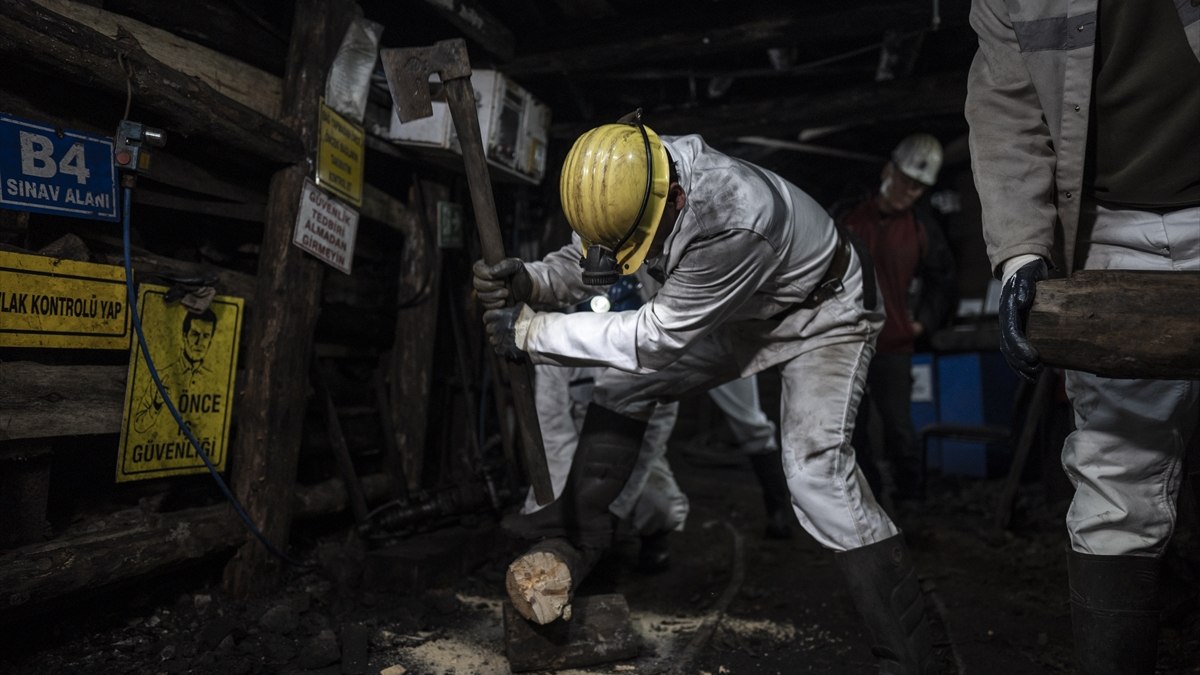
(732, 601)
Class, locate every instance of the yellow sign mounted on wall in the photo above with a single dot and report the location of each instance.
(50, 302)
(195, 355)
(340, 156)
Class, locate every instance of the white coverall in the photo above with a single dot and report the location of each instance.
(1028, 101)
(746, 250)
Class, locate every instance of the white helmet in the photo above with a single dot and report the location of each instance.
(919, 157)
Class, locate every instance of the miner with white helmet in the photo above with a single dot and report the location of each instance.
(755, 276)
(917, 284)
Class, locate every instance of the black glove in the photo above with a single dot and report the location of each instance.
(506, 282)
(501, 326)
(1015, 300)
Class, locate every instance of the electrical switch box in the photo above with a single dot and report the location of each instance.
(514, 125)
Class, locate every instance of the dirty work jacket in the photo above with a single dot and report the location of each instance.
(1028, 97)
(747, 247)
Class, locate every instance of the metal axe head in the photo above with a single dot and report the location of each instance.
(408, 72)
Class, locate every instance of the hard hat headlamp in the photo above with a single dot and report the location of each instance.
(599, 262)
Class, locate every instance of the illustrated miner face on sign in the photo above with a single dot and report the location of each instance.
(197, 334)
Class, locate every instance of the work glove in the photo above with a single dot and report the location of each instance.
(502, 326)
(1015, 300)
(497, 284)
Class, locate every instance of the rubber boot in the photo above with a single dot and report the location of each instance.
(888, 596)
(608, 448)
(1114, 612)
(768, 467)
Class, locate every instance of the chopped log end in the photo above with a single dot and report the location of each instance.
(539, 586)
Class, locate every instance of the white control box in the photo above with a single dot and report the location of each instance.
(514, 125)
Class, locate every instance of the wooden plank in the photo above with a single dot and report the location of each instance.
(253, 88)
(599, 632)
(1120, 323)
(288, 292)
(37, 37)
(40, 401)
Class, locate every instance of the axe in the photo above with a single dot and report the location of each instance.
(408, 72)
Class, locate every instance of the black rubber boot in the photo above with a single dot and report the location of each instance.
(1114, 612)
(768, 467)
(654, 555)
(607, 450)
(888, 596)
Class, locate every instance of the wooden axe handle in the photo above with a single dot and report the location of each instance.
(461, 100)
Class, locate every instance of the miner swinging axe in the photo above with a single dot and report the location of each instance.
(408, 72)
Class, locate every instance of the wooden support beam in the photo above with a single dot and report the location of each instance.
(229, 77)
(930, 96)
(1120, 323)
(476, 24)
(411, 366)
(288, 293)
(37, 37)
(594, 46)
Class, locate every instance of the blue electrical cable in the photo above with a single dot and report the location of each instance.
(141, 337)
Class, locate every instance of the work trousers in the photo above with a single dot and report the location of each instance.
(822, 385)
(752, 430)
(889, 391)
(1125, 457)
(651, 499)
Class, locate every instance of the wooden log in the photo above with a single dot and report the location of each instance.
(33, 35)
(40, 401)
(253, 88)
(288, 295)
(121, 546)
(541, 582)
(130, 544)
(1120, 323)
(599, 632)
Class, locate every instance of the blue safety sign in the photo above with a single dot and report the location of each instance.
(49, 170)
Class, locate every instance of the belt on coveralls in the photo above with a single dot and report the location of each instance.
(830, 284)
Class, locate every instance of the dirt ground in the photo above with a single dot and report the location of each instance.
(732, 602)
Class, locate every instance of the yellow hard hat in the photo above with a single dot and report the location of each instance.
(613, 187)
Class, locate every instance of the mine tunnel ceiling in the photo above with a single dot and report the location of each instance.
(765, 80)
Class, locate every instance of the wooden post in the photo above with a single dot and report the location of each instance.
(288, 292)
(416, 331)
(1120, 323)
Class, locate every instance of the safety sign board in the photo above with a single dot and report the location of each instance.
(57, 171)
(50, 302)
(326, 227)
(195, 356)
(340, 156)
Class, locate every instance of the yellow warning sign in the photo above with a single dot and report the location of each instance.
(50, 302)
(340, 156)
(195, 355)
